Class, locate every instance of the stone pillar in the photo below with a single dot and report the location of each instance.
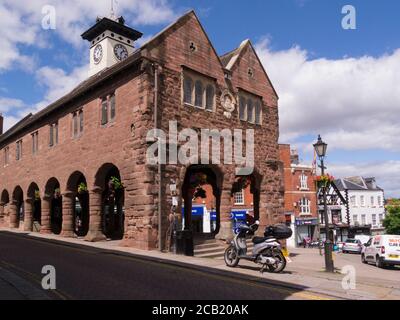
(225, 231)
(2, 216)
(46, 223)
(68, 215)
(95, 221)
(28, 219)
(14, 223)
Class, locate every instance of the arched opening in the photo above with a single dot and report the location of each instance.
(108, 178)
(34, 195)
(53, 191)
(5, 199)
(18, 200)
(201, 193)
(246, 199)
(78, 186)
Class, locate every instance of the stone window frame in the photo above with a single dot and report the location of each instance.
(35, 142)
(108, 108)
(18, 150)
(53, 134)
(77, 123)
(206, 83)
(6, 156)
(256, 102)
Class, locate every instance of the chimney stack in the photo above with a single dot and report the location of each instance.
(1, 124)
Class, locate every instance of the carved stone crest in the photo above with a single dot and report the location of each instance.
(228, 102)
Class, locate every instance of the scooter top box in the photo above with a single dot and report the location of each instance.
(279, 232)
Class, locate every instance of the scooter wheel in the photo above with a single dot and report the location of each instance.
(231, 257)
(280, 264)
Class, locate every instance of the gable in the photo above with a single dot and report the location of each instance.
(243, 59)
(173, 48)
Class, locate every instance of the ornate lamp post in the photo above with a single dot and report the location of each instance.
(320, 148)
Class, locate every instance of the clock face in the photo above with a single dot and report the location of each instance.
(120, 52)
(98, 54)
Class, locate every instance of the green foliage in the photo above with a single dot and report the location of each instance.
(392, 220)
(116, 183)
(82, 188)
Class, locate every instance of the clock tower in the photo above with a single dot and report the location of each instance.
(111, 41)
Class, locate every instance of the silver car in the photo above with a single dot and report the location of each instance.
(352, 245)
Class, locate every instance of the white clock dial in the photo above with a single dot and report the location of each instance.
(120, 52)
(98, 54)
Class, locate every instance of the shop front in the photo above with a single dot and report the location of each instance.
(306, 228)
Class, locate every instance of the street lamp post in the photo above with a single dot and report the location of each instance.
(321, 147)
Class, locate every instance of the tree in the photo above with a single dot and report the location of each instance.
(392, 220)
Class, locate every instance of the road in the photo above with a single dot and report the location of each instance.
(91, 274)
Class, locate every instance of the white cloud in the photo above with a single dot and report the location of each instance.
(387, 174)
(24, 19)
(353, 102)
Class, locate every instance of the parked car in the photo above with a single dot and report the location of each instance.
(382, 250)
(352, 245)
(363, 238)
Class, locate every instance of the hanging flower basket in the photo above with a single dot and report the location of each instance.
(241, 184)
(57, 193)
(198, 179)
(82, 188)
(200, 193)
(116, 184)
(324, 181)
(37, 195)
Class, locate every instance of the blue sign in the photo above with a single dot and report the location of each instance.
(196, 211)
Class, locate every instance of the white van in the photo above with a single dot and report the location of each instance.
(382, 250)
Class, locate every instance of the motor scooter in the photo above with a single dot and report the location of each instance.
(267, 251)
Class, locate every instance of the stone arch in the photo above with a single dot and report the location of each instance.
(54, 196)
(254, 182)
(215, 178)
(34, 212)
(77, 185)
(17, 212)
(108, 179)
(5, 197)
(4, 200)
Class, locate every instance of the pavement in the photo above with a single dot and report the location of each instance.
(303, 278)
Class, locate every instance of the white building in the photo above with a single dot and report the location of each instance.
(365, 207)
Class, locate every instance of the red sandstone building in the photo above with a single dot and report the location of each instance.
(300, 197)
(79, 167)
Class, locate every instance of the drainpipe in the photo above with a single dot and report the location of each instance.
(156, 93)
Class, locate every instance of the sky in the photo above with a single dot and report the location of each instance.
(342, 84)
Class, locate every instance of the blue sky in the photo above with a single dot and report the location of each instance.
(340, 83)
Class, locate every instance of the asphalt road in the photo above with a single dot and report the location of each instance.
(91, 274)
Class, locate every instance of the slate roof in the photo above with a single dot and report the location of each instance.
(357, 183)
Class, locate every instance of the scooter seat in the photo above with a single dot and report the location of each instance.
(258, 240)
